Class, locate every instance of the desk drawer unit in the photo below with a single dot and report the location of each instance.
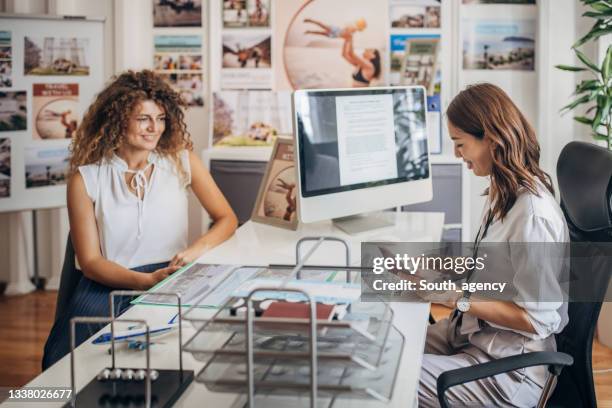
(239, 181)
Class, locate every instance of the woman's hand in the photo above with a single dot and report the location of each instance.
(187, 256)
(159, 275)
(447, 298)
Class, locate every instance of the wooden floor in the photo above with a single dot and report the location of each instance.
(26, 321)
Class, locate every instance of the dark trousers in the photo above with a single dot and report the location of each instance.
(89, 299)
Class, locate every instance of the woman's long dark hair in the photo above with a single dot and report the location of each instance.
(486, 111)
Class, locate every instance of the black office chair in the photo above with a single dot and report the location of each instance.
(584, 173)
(68, 281)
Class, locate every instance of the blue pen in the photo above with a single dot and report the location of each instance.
(171, 321)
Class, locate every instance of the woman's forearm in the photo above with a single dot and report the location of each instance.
(111, 274)
(507, 314)
(222, 229)
(349, 48)
(347, 51)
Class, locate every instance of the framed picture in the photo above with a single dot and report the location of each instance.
(419, 65)
(277, 198)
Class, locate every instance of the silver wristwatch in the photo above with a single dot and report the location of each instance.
(464, 303)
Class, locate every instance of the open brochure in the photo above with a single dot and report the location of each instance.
(213, 284)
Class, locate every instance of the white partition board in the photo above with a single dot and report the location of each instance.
(64, 47)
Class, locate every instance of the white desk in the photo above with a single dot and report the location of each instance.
(257, 244)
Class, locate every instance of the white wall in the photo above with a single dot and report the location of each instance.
(557, 35)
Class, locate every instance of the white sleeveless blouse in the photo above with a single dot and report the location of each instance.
(135, 232)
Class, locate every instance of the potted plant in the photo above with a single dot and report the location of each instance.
(596, 92)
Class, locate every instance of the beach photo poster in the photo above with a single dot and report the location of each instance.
(46, 166)
(5, 167)
(56, 56)
(246, 13)
(190, 86)
(13, 111)
(420, 64)
(246, 60)
(6, 60)
(55, 110)
(415, 13)
(276, 202)
(177, 13)
(177, 53)
(250, 118)
(330, 44)
(499, 44)
(412, 61)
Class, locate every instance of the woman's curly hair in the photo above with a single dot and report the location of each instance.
(106, 121)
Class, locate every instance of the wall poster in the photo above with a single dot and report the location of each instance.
(55, 111)
(246, 60)
(250, 118)
(179, 60)
(330, 44)
(6, 60)
(497, 44)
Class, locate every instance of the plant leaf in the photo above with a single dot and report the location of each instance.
(606, 66)
(595, 32)
(589, 85)
(599, 16)
(597, 119)
(606, 103)
(586, 61)
(600, 6)
(583, 119)
(569, 68)
(599, 136)
(572, 105)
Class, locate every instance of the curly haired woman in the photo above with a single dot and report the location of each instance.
(130, 170)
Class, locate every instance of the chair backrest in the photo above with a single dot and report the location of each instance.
(68, 281)
(584, 173)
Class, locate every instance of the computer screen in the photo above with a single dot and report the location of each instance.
(361, 139)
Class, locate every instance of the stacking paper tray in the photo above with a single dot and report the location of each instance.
(357, 356)
(286, 376)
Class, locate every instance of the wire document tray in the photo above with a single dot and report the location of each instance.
(353, 352)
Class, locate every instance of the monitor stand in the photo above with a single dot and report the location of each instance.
(358, 224)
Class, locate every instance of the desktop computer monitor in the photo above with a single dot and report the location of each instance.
(360, 150)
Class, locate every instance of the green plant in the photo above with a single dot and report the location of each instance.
(596, 92)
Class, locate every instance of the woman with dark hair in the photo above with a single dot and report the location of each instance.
(367, 65)
(130, 173)
(495, 140)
